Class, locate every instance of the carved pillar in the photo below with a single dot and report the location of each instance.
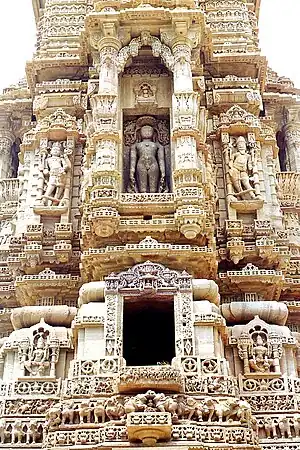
(275, 342)
(103, 161)
(225, 139)
(6, 141)
(292, 145)
(182, 67)
(184, 327)
(186, 107)
(113, 329)
(2, 361)
(108, 71)
(54, 346)
(188, 132)
(43, 155)
(243, 348)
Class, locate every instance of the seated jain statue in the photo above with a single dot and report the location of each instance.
(38, 357)
(147, 168)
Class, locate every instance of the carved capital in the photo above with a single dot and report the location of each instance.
(94, 39)
(180, 34)
(109, 43)
(6, 130)
(292, 116)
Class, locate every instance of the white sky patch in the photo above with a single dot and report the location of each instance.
(279, 38)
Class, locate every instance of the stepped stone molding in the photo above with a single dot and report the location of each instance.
(149, 232)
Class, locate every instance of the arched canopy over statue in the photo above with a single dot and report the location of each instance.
(146, 140)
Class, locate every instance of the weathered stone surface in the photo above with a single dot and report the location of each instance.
(149, 232)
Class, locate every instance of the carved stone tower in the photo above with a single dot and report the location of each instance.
(149, 233)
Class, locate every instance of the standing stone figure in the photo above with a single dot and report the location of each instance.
(108, 76)
(55, 168)
(183, 75)
(240, 165)
(147, 164)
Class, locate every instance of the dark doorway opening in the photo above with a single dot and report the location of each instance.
(148, 332)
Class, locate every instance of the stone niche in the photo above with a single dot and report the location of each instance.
(39, 352)
(146, 94)
(146, 85)
(146, 154)
(263, 350)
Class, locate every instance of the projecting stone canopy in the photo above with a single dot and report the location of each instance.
(149, 276)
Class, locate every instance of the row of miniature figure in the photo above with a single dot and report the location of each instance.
(180, 407)
(21, 432)
(280, 427)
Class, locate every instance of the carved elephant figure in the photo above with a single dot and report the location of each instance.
(140, 400)
(270, 428)
(188, 407)
(243, 411)
(99, 411)
(33, 435)
(67, 413)
(114, 409)
(166, 404)
(137, 403)
(85, 411)
(209, 407)
(228, 409)
(130, 405)
(17, 432)
(53, 417)
(234, 408)
(25, 408)
(41, 408)
(285, 427)
(296, 425)
(3, 432)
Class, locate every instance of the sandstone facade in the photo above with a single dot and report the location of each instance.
(149, 232)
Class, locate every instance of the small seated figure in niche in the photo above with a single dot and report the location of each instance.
(240, 166)
(56, 167)
(38, 358)
(260, 361)
(145, 93)
(147, 164)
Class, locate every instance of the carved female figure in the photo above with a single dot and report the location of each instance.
(38, 358)
(260, 361)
